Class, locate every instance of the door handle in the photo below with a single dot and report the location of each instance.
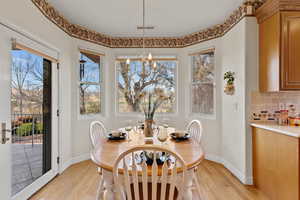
(4, 139)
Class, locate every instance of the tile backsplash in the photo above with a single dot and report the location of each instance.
(265, 105)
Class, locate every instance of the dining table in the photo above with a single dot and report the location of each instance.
(107, 151)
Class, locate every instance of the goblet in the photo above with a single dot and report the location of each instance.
(162, 135)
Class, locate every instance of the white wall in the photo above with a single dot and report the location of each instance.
(225, 137)
(239, 54)
(233, 107)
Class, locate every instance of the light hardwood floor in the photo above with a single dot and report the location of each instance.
(80, 180)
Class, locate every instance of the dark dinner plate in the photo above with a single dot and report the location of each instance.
(121, 137)
(185, 137)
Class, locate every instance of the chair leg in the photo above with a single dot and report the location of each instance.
(100, 189)
(195, 171)
(197, 184)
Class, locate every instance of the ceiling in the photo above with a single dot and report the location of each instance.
(170, 17)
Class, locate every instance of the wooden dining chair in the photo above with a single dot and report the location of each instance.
(97, 131)
(195, 129)
(100, 188)
(138, 180)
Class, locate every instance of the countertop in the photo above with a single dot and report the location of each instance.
(293, 131)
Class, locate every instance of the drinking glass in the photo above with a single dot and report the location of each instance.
(128, 128)
(162, 135)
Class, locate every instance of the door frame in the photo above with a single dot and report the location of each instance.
(5, 116)
(12, 30)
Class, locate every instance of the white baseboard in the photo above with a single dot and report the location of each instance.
(73, 161)
(80, 158)
(64, 166)
(237, 173)
(214, 158)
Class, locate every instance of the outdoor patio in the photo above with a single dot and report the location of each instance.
(26, 165)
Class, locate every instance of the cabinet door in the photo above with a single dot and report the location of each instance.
(290, 51)
(276, 164)
(264, 162)
(269, 53)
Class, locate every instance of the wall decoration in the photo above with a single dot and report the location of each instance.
(229, 87)
(203, 82)
(83, 33)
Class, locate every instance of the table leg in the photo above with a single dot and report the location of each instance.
(109, 185)
(188, 194)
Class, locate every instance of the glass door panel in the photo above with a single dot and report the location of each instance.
(31, 113)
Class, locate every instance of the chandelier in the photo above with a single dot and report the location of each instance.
(147, 60)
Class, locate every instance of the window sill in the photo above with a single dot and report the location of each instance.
(203, 116)
(141, 115)
(90, 116)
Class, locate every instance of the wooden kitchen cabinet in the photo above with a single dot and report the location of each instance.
(290, 56)
(279, 45)
(276, 164)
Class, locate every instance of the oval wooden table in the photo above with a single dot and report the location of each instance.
(107, 151)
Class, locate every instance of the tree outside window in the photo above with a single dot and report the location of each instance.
(89, 83)
(27, 82)
(136, 79)
(203, 82)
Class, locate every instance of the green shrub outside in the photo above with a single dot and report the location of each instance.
(26, 129)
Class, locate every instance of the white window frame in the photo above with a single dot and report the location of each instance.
(90, 116)
(191, 83)
(141, 114)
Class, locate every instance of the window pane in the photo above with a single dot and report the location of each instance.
(89, 99)
(27, 82)
(89, 70)
(203, 79)
(135, 80)
(203, 67)
(203, 98)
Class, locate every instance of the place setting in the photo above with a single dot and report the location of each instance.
(117, 135)
(180, 135)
